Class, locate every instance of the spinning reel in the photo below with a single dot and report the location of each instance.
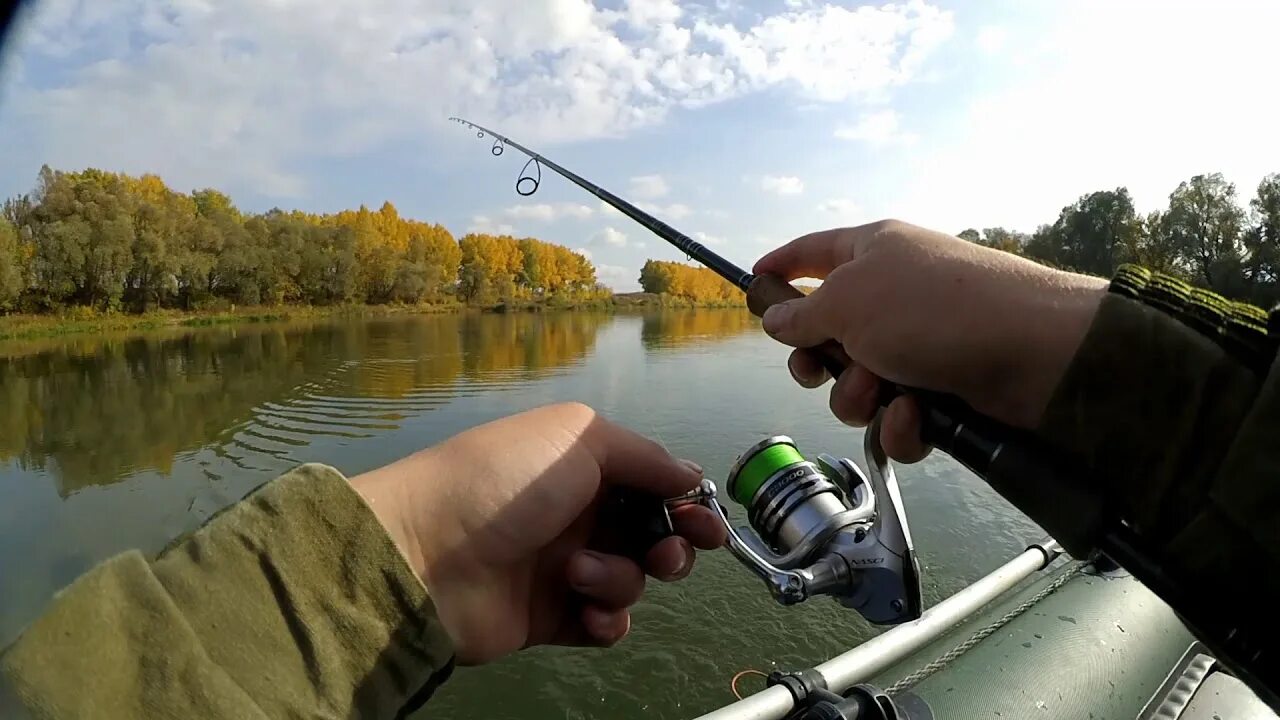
(822, 528)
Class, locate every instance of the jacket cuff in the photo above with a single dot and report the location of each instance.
(303, 596)
(1151, 407)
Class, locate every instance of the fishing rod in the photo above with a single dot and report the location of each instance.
(1001, 455)
(1046, 484)
(722, 267)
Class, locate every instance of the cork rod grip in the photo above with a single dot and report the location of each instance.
(766, 291)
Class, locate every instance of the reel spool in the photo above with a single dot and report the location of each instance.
(787, 497)
(823, 528)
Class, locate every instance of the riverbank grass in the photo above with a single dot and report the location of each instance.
(73, 321)
(83, 320)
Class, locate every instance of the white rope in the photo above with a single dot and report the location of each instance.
(910, 680)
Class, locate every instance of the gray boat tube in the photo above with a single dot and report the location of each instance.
(880, 652)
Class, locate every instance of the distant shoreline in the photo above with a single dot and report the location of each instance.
(76, 321)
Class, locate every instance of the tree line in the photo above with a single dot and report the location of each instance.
(1205, 235)
(111, 241)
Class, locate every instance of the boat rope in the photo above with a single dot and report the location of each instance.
(733, 684)
(909, 681)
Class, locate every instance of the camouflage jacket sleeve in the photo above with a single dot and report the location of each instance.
(1181, 429)
(291, 603)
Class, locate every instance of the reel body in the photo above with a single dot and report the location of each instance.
(823, 528)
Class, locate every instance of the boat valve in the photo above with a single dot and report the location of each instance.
(822, 527)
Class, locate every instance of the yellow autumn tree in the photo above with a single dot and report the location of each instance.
(693, 284)
(491, 267)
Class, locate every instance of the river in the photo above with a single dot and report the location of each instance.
(110, 443)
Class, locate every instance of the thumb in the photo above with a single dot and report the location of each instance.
(800, 322)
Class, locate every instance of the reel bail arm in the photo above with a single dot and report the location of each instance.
(823, 528)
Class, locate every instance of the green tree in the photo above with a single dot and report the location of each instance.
(997, 237)
(211, 203)
(1204, 223)
(655, 277)
(1045, 246)
(84, 236)
(279, 239)
(162, 223)
(415, 275)
(1157, 249)
(327, 270)
(235, 274)
(1098, 232)
(11, 265)
(1262, 241)
(1002, 239)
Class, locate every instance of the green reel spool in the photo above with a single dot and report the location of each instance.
(759, 463)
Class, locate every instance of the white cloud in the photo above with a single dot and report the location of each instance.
(611, 236)
(607, 209)
(674, 211)
(716, 214)
(544, 212)
(833, 53)
(708, 240)
(991, 39)
(782, 184)
(584, 253)
(878, 128)
(843, 207)
(247, 95)
(649, 187)
(487, 225)
(617, 277)
(640, 244)
(644, 13)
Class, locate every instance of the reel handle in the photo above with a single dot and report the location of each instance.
(630, 522)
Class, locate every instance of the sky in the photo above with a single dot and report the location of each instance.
(744, 123)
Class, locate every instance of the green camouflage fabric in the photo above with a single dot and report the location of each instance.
(292, 603)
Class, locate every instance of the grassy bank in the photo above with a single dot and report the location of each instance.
(83, 320)
(644, 299)
(80, 320)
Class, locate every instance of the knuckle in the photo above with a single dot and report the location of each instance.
(577, 410)
(888, 226)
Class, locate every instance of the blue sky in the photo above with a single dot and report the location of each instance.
(742, 122)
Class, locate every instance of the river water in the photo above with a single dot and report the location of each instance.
(110, 443)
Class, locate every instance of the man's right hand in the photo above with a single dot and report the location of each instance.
(928, 310)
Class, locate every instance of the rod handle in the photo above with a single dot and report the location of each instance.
(765, 291)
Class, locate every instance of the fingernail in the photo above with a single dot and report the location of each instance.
(775, 317)
(587, 569)
(691, 465)
(796, 375)
(683, 567)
